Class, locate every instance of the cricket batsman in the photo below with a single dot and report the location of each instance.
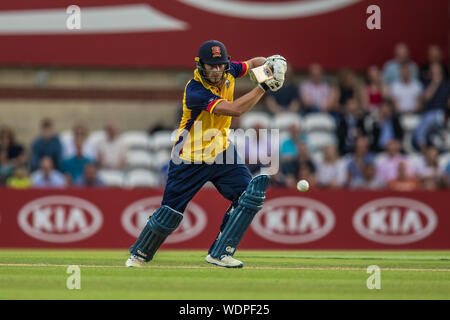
(201, 153)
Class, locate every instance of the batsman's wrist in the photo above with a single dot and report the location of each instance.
(263, 86)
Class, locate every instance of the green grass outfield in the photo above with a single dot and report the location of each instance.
(41, 274)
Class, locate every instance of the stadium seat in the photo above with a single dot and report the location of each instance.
(407, 143)
(317, 157)
(142, 178)
(319, 122)
(250, 119)
(96, 136)
(319, 140)
(139, 159)
(409, 122)
(136, 139)
(163, 139)
(65, 136)
(161, 158)
(113, 178)
(284, 120)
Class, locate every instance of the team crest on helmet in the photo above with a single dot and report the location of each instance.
(216, 52)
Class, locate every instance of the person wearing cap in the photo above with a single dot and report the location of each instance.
(202, 153)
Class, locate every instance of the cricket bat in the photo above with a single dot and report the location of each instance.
(261, 74)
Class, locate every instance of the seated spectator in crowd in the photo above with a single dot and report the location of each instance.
(89, 178)
(383, 126)
(11, 154)
(375, 90)
(406, 92)
(437, 91)
(434, 56)
(74, 166)
(391, 70)
(20, 179)
(290, 166)
(428, 168)
(111, 151)
(346, 89)
(47, 176)
(368, 179)
(10, 150)
(289, 146)
(286, 99)
(315, 92)
(331, 173)
(350, 126)
(80, 131)
(435, 111)
(358, 160)
(387, 168)
(46, 145)
(403, 181)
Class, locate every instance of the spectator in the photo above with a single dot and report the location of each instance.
(428, 170)
(387, 168)
(315, 92)
(434, 56)
(289, 146)
(89, 177)
(74, 166)
(403, 181)
(11, 154)
(346, 89)
(290, 166)
(368, 179)
(47, 176)
(383, 126)
(20, 179)
(46, 145)
(350, 126)
(331, 173)
(10, 150)
(80, 132)
(437, 92)
(358, 160)
(111, 151)
(436, 105)
(375, 90)
(391, 70)
(406, 92)
(285, 99)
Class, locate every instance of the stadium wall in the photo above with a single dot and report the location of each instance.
(113, 218)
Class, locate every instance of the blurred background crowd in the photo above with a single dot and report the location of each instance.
(386, 129)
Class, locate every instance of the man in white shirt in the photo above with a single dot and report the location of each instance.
(406, 92)
(111, 151)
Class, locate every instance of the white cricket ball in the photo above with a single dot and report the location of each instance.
(303, 185)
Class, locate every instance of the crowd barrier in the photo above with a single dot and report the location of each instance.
(113, 218)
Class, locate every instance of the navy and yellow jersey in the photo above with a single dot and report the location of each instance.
(202, 135)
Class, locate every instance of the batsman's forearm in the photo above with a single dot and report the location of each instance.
(255, 62)
(241, 105)
(248, 101)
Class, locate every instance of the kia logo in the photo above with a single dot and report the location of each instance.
(60, 219)
(395, 220)
(293, 220)
(135, 217)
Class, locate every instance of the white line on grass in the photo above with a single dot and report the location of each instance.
(213, 267)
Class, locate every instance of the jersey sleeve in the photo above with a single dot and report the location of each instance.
(238, 68)
(200, 98)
